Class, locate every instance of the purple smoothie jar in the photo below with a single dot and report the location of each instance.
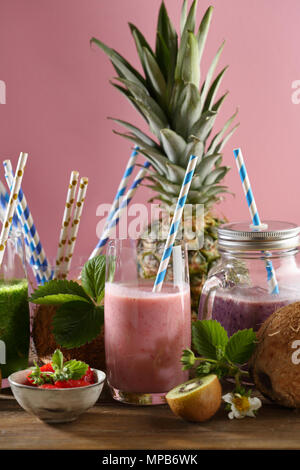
(236, 292)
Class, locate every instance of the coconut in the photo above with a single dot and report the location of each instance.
(92, 353)
(274, 364)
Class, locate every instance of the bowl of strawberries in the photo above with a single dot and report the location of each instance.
(57, 392)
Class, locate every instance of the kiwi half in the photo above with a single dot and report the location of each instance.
(196, 400)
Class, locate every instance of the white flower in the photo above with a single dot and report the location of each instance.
(241, 405)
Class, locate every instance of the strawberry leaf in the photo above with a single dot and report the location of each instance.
(58, 292)
(93, 277)
(209, 338)
(77, 323)
(240, 347)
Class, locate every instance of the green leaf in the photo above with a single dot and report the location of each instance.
(183, 15)
(240, 346)
(211, 72)
(203, 126)
(93, 277)
(203, 30)
(186, 109)
(166, 33)
(174, 145)
(190, 71)
(222, 144)
(57, 360)
(189, 26)
(76, 369)
(164, 61)
(140, 42)
(122, 66)
(155, 76)
(137, 132)
(213, 90)
(77, 323)
(216, 175)
(58, 292)
(209, 338)
(218, 137)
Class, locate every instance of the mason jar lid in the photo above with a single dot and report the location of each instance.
(270, 235)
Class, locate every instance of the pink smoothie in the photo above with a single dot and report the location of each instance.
(145, 334)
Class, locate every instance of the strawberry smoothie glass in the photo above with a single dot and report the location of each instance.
(145, 332)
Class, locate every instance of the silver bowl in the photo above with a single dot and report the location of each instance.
(61, 405)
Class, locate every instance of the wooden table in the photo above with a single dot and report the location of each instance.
(110, 425)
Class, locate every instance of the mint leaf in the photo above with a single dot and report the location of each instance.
(76, 369)
(209, 338)
(58, 292)
(77, 323)
(93, 278)
(240, 346)
(57, 360)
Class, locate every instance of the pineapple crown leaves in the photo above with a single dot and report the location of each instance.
(179, 109)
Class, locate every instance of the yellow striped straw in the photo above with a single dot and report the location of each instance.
(66, 222)
(84, 181)
(12, 203)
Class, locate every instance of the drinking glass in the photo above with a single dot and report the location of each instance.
(14, 309)
(145, 332)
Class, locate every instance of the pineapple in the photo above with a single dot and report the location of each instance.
(180, 108)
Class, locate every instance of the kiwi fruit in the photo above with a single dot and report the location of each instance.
(196, 400)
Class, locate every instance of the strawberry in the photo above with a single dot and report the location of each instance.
(50, 386)
(71, 383)
(47, 367)
(89, 376)
(30, 380)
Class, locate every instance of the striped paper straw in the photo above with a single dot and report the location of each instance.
(75, 225)
(122, 186)
(271, 276)
(66, 220)
(4, 198)
(38, 257)
(118, 213)
(11, 207)
(175, 224)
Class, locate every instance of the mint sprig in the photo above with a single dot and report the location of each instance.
(79, 317)
(218, 353)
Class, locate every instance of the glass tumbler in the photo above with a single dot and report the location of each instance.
(14, 308)
(145, 332)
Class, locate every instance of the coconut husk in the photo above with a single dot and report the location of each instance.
(44, 342)
(275, 373)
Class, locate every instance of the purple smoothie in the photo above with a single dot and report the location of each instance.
(243, 307)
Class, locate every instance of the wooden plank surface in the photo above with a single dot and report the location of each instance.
(110, 425)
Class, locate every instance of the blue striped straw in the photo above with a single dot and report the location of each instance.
(118, 213)
(175, 224)
(38, 258)
(271, 276)
(122, 186)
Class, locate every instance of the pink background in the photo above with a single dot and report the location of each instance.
(58, 98)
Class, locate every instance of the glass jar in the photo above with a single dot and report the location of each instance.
(14, 308)
(238, 292)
